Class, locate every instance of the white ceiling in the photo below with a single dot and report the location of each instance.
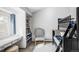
(32, 9)
(35, 9)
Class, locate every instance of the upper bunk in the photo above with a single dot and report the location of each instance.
(63, 23)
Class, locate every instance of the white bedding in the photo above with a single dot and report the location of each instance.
(9, 41)
(56, 40)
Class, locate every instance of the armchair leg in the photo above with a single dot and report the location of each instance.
(44, 42)
(35, 43)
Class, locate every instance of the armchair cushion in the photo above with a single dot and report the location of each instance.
(39, 38)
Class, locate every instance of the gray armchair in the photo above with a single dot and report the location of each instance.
(39, 35)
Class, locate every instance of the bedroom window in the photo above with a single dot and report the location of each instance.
(7, 24)
(13, 23)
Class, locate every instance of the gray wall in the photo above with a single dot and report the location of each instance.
(47, 19)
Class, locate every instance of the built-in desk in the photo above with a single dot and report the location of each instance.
(4, 43)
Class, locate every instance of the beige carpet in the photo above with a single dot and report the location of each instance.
(45, 48)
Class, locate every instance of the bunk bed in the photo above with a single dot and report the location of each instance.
(61, 21)
(61, 41)
(65, 42)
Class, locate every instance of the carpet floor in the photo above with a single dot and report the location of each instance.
(40, 47)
